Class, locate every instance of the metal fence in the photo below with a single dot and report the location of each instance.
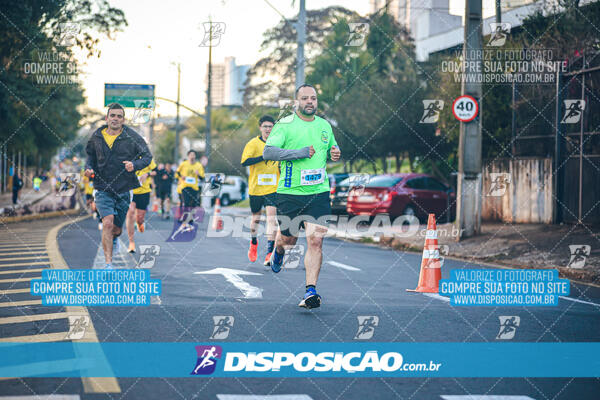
(563, 123)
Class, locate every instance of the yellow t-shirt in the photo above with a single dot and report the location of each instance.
(109, 139)
(145, 186)
(88, 185)
(188, 175)
(264, 175)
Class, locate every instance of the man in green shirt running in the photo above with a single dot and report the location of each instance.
(302, 142)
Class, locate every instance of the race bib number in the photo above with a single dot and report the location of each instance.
(266, 179)
(190, 180)
(312, 176)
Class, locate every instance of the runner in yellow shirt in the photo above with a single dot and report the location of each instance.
(88, 190)
(262, 187)
(139, 203)
(190, 174)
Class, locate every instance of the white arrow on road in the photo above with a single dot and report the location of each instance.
(233, 277)
(343, 266)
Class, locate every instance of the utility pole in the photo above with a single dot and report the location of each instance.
(208, 95)
(301, 39)
(176, 151)
(469, 191)
(498, 12)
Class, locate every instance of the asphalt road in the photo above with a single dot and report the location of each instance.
(356, 280)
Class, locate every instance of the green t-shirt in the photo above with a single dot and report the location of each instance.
(307, 175)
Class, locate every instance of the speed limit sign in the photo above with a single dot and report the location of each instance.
(465, 108)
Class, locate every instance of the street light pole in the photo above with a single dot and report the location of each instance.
(301, 39)
(469, 191)
(208, 96)
(176, 150)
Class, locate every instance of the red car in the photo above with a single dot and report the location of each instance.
(403, 194)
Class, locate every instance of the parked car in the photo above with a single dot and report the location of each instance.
(233, 189)
(404, 194)
(338, 192)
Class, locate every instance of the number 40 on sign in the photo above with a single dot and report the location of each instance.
(465, 108)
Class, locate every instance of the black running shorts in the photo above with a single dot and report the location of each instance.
(297, 209)
(141, 201)
(258, 202)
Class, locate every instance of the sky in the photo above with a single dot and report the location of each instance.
(161, 33)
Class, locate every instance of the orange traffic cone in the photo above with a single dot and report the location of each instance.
(155, 206)
(431, 268)
(217, 224)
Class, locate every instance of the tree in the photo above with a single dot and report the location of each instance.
(37, 115)
(273, 76)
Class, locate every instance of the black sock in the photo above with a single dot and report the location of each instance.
(277, 251)
(310, 286)
(270, 245)
(254, 241)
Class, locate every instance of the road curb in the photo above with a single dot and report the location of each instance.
(35, 217)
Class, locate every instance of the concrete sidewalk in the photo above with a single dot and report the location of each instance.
(27, 197)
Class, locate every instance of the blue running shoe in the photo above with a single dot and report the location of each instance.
(116, 247)
(311, 299)
(108, 266)
(276, 261)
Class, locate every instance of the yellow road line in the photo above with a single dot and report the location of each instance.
(18, 271)
(31, 318)
(24, 264)
(43, 337)
(20, 303)
(11, 291)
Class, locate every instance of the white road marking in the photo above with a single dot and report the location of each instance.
(437, 296)
(263, 397)
(483, 397)
(343, 266)
(233, 277)
(579, 301)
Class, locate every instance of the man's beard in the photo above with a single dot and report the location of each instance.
(311, 112)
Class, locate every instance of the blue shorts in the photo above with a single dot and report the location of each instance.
(110, 204)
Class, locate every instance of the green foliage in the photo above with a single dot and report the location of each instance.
(39, 117)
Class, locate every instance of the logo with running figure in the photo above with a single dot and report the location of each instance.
(207, 359)
(579, 254)
(508, 327)
(358, 33)
(148, 254)
(431, 111)
(498, 183)
(366, 326)
(68, 184)
(499, 33)
(573, 111)
(223, 324)
(213, 31)
(293, 256)
(77, 326)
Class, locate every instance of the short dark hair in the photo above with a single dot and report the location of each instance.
(114, 106)
(305, 85)
(192, 151)
(266, 118)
